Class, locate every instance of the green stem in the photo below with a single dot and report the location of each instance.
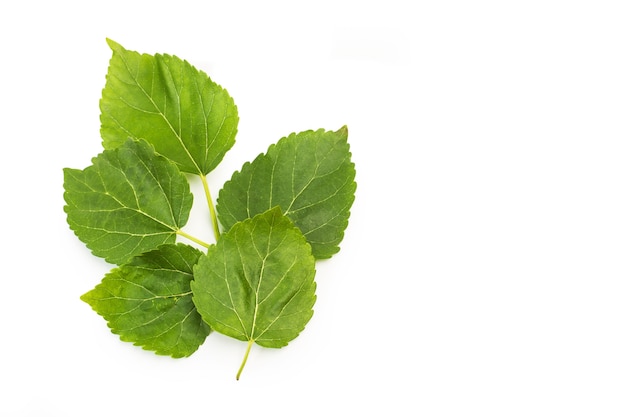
(245, 358)
(192, 238)
(216, 229)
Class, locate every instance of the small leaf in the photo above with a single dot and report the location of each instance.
(148, 301)
(160, 98)
(129, 201)
(309, 175)
(257, 283)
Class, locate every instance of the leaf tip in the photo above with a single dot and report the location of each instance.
(87, 298)
(113, 45)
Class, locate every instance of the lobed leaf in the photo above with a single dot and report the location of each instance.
(309, 175)
(166, 101)
(148, 301)
(257, 282)
(130, 200)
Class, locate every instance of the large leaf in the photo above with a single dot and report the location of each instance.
(129, 201)
(309, 175)
(148, 301)
(166, 101)
(257, 282)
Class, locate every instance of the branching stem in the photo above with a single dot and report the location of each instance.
(245, 358)
(216, 229)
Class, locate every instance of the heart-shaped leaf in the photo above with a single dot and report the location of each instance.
(148, 301)
(309, 175)
(129, 201)
(256, 283)
(166, 101)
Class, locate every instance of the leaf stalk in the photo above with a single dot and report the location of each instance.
(193, 238)
(207, 193)
(245, 358)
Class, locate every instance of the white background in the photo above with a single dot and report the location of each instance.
(483, 270)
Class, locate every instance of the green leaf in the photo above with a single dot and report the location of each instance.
(129, 201)
(309, 175)
(148, 301)
(166, 101)
(256, 283)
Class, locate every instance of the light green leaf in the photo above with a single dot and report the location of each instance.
(129, 201)
(309, 175)
(148, 301)
(166, 101)
(256, 283)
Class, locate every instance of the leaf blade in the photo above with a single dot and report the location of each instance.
(165, 100)
(309, 175)
(148, 301)
(128, 201)
(257, 282)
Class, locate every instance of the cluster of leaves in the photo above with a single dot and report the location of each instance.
(162, 120)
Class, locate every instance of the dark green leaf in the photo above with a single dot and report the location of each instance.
(166, 101)
(129, 201)
(257, 282)
(309, 176)
(148, 301)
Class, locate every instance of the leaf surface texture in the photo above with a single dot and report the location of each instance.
(309, 175)
(148, 301)
(257, 282)
(130, 200)
(166, 101)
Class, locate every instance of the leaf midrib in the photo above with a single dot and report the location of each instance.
(160, 112)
